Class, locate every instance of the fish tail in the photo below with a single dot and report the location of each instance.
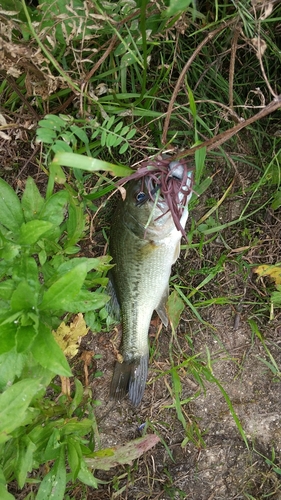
(130, 377)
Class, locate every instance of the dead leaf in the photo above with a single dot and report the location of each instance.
(273, 272)
(260, 46)
(68, 337)
(87, 357)
(65, 386)
(175, 307)
(111, 457)
(123, 192)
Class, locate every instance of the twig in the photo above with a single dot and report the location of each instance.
(232, 64)
(182, 75)
(219, 139)
(11, 81)
(102, 59)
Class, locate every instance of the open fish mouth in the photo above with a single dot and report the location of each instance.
(165, 182)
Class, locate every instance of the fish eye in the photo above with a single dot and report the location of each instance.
(140, 196)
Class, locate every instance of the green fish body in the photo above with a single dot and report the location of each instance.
(144, 244)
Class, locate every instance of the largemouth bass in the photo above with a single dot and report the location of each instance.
(144, 244)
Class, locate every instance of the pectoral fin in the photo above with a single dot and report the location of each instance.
(177, 251)
(112, 306)
(161, 309)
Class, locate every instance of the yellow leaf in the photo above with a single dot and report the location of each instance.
(273, 272)
(68, 336)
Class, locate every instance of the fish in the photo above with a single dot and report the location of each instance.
(144, 244)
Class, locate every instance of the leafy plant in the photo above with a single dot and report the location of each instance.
(40, 282)
(61, 133)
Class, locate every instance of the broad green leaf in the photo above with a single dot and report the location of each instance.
(9, 251)
(48, 354)
(97, 263)
(108, 123)
(53, 484)
(7, 316)
(57, 173)
(33, 230)
(72, 250)
(65, 289)
(111, 140)
(4, 494)
(74, 456)
(26, 269)
(11, 366)
(78, 396)
(123, 148)
(10, 208)
(118, 127)
(81, 134)
(31, 201)
(124, 130)
(131, 133)
(7, 337)
(40, 434)
(23, 298)
(95, 134)
(124, 454)
(86, 301)
(87, 477)
(90, 164)
(119, 141)
(45, 135)
(24, 462)
(53, 122)
(93, 321)
(75, 224)
(6, 289)
(52, 448)
(53, 209)
(13, 405)
(75, 427)
(60, 146)
(24, 337)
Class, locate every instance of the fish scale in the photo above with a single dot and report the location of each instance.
(143, 257)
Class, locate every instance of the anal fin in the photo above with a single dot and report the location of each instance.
(161, 308)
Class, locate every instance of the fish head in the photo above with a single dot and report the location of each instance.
(146, 209)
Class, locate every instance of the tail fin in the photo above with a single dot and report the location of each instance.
(130, 377)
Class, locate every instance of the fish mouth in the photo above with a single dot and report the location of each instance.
(150, 190)
(151, 185)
